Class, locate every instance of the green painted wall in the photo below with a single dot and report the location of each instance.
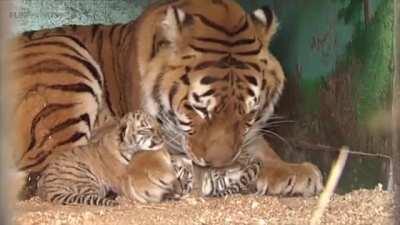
(37, 14)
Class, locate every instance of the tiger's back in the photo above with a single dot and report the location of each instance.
(58, 89)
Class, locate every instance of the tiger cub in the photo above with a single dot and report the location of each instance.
(237, 180)
(240, 179)
(86, 174)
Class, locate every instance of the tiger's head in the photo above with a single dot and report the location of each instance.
(208, 75)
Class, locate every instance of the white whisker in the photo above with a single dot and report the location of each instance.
(280, 122)
(265, 131)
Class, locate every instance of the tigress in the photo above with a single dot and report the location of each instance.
(201, 67)
(85, 174)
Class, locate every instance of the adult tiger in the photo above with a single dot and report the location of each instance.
(202, 67)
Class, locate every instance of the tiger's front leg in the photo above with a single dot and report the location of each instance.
(278, 177)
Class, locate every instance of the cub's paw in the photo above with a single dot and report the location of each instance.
(281, 178)
(151, 177)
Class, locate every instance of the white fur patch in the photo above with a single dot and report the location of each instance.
(181, 15)
(170, 25)
(260, 15)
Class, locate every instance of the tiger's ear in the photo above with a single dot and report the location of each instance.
(265, 22)
(172, 24)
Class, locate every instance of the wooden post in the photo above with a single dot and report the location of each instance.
(367, 12)
(396, 113)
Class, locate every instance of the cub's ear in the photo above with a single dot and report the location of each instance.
(127, 118)
(265, 22)
(125, 125)
(172, 24)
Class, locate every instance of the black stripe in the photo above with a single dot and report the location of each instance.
(115, 70)
(64, 125)
(172, 92)
(96, 74)
(59, 30)
(251, 52)
(67, 123)
(66, 198)
(51, 66)
(84, 168)
(123, 156)
(73, 27)
(80, 172)
(94, 30)
(76, 40)
(252, 80)
(77, 87)
(274, 75)
(153, 47)
(268, 14)
(37, 162)
(55, 196)
(185, 79)
(120, 33)
(201, 109)
(177, 19)
(28, 34)
(264, 84)
(101, 63)
(205, 65)
(220, 28)
(188, 57)
(209, 80)
(265, 61)
(45, 112)
(54, 43)
(156, 90)
(81, 199)
(207, 50)
(111, 33)
(87, 170)
(227, 43)
(128, 34)
(208, 93)
(254, 65)
(75, 137)
(74, 199)
(70, 122)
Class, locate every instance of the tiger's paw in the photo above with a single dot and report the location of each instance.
(151, 177)
(287, 179)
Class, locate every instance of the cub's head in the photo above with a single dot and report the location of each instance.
(139, 131)
(208, 75)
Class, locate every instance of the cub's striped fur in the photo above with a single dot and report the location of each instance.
(218, 183)
(86, 174)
